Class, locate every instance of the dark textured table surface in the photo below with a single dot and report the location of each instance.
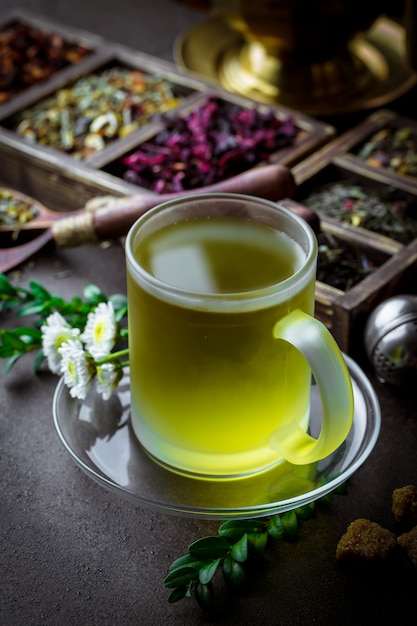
(73, 553)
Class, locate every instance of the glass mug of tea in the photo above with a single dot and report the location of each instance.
(223, 342)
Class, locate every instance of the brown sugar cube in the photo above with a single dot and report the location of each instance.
(365, 541)
(404, 504)
(408, 541)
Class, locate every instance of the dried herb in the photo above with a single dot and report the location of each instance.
(14, 210)
(340, 264)
(217, 140)
(385, 210)
(393, 148)
(29, 56)
(83, 118)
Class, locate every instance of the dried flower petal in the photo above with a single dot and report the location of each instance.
(213, 142)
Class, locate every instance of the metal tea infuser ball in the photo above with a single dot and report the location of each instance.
(391, 340)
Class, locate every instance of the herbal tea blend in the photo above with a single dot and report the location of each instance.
(393, 148)
(382, 210)
(340, 264)
(15, 210)
(83, 118)
(213, 142)
(29, 55)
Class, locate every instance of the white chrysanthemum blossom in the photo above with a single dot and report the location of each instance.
(55, 332)
(77, 367)
(108, 377)
(100, 331)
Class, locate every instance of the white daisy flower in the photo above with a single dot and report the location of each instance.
(77, 368)
(108, 377)
(100, 331)
(55, 332)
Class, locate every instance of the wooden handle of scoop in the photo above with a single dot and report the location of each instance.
(272, 182)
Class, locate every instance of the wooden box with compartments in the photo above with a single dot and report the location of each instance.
(363, 186)
(77, 132)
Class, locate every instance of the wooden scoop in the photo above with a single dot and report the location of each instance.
(273, 182)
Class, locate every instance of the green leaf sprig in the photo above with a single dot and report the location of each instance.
(231, 551)
(38, 302)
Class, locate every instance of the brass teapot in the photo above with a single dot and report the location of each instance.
(298, 51)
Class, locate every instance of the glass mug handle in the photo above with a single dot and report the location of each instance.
(329, 369)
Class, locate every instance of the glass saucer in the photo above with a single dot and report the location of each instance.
(98, 436)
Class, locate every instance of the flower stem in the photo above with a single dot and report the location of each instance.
(114, 355)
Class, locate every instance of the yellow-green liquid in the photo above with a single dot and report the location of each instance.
(209, 387)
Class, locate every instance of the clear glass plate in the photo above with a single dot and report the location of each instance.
(99, 437)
